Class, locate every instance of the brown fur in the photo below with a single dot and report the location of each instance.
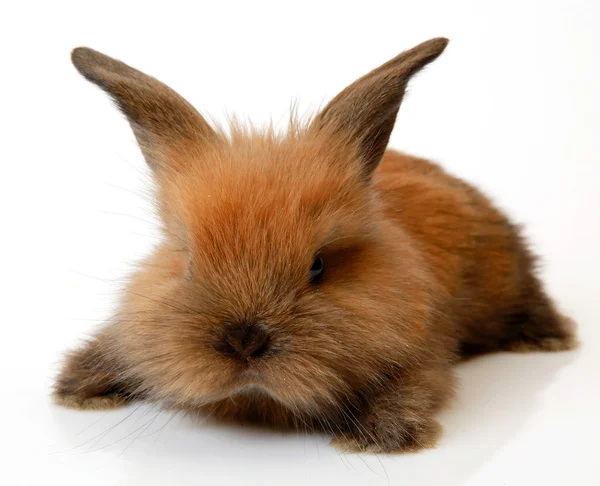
(419, 270)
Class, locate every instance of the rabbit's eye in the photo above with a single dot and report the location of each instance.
(316, 270)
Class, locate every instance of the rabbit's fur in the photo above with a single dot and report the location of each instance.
(418, 270)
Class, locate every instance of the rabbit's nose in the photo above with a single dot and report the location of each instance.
(245, 340)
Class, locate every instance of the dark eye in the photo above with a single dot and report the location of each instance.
(316, 270)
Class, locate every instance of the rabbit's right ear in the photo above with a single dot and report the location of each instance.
(165, 124)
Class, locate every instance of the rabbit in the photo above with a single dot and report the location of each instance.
(311, 280)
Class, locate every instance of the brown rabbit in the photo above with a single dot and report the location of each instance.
(311, 280)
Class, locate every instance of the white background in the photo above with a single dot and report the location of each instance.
(512, 105)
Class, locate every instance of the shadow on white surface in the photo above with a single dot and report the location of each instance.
(497, 395)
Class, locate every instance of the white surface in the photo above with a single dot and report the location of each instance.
(513, 105)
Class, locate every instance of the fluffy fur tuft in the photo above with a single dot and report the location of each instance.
(308, 279)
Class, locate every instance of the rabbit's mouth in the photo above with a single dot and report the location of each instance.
(248, 380)
(251, 389)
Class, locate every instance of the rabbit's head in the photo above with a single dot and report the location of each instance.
(279, 275)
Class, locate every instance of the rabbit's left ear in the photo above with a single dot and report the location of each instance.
(164, 123)
(365, 112)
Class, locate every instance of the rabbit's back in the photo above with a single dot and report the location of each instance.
(471, 247)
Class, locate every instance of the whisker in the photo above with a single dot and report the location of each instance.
(144, 430)
(122, 438)
(93, 423)
(161, 227)
(111, 429)
(173, 415)
(168, 303)
(327, 427)
(102, 434)
(147, 197)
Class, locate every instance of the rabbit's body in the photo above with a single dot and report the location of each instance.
(475, 252)
(312, 280)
